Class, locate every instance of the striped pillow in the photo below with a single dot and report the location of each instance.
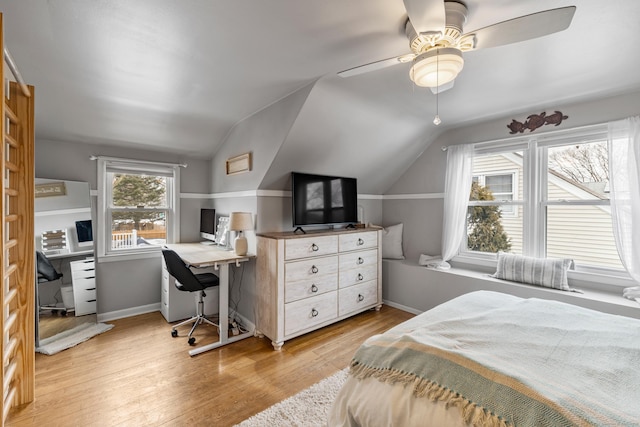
(548, 272)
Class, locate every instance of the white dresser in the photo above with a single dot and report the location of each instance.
(83, 280)
(308, 281)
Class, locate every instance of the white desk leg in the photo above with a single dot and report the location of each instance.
(223, 301)
(223, 312)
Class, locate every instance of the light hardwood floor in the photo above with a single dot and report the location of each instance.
(138, 375)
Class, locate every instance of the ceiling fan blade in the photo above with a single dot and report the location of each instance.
(372, 66)
(524, 28)
(426, 15)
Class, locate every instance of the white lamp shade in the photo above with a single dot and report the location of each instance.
(436, 67)
(240, 221)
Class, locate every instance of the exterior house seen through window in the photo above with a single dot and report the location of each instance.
(543, 197)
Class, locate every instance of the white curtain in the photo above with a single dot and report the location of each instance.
(457, 185)
(624, 182)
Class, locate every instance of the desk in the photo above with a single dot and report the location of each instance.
(199, 255)
(55, 255)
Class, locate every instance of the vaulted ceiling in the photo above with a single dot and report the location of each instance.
(178, 75)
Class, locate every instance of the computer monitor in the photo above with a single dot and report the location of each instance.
(208, 224)
(84, 233)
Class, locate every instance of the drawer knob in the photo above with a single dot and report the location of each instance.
(314, 312)
(360, 276)
(314, 247)
(360, 260)
(360, 242)
(314, 288)
(314, 269)
(360, 297)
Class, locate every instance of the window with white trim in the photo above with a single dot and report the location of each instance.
(138, 206)
(502, 186)
(556, 204)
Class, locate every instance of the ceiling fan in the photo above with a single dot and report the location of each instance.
(437, 41)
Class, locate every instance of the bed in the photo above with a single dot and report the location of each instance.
(491, 359)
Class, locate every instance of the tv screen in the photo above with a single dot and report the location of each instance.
(323, 200)
(208, 224)
(84, 232)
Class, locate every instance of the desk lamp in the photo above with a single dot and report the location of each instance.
(240, 221)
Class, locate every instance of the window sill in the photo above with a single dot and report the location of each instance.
(612, 281)
(608, 300)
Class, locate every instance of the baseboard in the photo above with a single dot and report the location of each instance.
(134, 311)
(401, 307)
(128, 312)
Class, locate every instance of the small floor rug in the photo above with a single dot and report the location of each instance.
(308, 408)
(72, 337)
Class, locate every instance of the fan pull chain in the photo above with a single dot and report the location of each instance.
(436, 119)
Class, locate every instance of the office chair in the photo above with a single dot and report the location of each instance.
(47, 273)
(187, 281)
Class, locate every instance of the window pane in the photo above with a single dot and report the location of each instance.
(134, 229)
(582, 233)
(578, 172)
(499, 184)
(489, 231)
(132, 190)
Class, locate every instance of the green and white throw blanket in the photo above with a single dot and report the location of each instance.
(505, 361)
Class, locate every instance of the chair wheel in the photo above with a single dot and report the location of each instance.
(192, 341)
(174, 333)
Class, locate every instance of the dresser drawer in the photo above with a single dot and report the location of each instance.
(354, 241)
(354, 276)
(356, 298)
(85, 307)
(310, 246)
(80, 284)
(88, 264)
(358, 259)
(300, 289)
(310, 268)
(306, 313)
(84, 301)
(84, 294)
(83, 274)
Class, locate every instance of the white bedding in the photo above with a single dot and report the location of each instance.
(557, 339)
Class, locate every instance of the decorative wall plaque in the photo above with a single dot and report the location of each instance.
(50, 189)
(535, 121)
(239, 164)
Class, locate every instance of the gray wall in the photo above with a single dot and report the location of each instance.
(422, 218)
(261, 134)
(124, 284)
(278, 136)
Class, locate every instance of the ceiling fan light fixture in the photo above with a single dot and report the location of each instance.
(436, 67)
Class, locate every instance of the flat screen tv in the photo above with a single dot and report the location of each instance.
(208, 224)
(84, 232)
(323, 200)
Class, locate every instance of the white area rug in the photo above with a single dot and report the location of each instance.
(308, 408)
(72, 337)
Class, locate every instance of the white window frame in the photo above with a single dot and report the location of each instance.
(514, 190)
(106, 166)
(534, 150)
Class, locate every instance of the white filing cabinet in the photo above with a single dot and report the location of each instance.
(177, 305)
(83, 280)
(309, 281)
